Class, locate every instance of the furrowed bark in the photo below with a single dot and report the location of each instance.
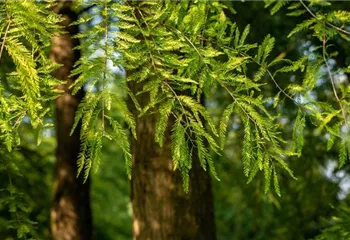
(70, 212)
(161, 208)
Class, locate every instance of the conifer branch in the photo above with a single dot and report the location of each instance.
(165, 82)
(144, 37)
(328, 23)
(223, 85)
(333, 86)
(187, 127)
(280, 88)
(272, 78)
(177, 98)
(236, 101)
(18, 219)
(259, 128)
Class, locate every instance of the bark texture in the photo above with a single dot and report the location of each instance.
(70, 212)
(161, 209)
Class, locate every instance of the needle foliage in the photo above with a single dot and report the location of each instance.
(176, 53)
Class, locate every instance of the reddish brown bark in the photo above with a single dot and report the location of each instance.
(161, 208)
(70, 212)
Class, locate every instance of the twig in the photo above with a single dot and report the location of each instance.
(272, 78)
(329, 24)
(4, 38)
(223, 85)
(177, 98)
(105, 65)
(333, 84)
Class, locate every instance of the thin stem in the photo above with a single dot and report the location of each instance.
(329, 24)
(105, 64)
(281, 89)
(272, 78)
(4, 38)
(333, 84)
(177, 98)
(187, 127)
(239, 104)
(200, 55)
(206, 65)
(144, 37)
(168, 85)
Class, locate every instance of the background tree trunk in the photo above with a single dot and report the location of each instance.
(161, 208)
(70, 212)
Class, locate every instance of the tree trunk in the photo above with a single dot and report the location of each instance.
(70, 212)
(161, 208)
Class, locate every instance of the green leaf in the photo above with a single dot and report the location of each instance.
(267, 173)
(298, 133)
(162, 121)
(275, 183)
(223, 124)
(244, 34)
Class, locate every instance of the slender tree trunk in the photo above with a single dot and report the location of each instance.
(161, 209)
(70, 212)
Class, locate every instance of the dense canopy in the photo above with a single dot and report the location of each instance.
(255, 95)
